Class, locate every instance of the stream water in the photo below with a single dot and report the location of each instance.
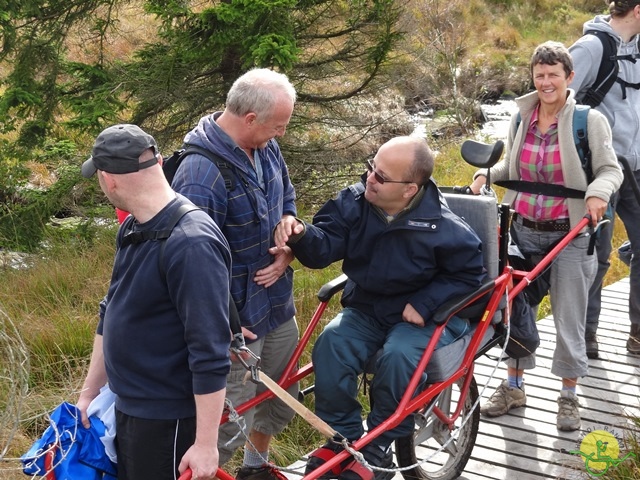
(496, 126)
(498, 117)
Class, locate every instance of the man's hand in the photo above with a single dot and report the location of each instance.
(596, 207)
(203, 462)
(288, 226)
(269, 275)
(411, 315)
(96, 378)
(202, 457)
(83, 404)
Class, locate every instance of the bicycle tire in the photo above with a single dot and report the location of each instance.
(430, 434)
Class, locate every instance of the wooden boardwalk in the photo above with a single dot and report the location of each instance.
(525, 444)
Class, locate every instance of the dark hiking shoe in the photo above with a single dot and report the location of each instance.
(633, 344)
(266, 472)
(592, 345)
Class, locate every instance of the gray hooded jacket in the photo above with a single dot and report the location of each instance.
(623, 114)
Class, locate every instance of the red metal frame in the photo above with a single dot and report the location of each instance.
(410, 403)
(49, 459)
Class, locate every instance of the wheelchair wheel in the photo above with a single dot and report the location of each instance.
(431, 434)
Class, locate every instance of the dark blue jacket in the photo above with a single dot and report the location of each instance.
(424, 257)
(247, 216)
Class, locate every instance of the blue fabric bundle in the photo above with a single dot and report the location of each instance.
(79, 452)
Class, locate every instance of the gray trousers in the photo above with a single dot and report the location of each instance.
(572, 273)
(271, 416)
(627, 208)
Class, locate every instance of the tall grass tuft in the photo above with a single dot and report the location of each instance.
(53, 304)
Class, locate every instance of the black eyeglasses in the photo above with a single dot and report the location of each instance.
(379, 178)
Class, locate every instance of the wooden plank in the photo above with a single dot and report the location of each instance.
(527, 438)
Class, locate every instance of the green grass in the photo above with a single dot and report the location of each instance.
(49, 314)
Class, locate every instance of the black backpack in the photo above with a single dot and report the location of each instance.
(227, 170)
(524, 338)
(608, 70)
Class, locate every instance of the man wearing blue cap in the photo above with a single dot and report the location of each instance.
(163, 337)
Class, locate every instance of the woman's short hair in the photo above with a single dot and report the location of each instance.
(552, 53)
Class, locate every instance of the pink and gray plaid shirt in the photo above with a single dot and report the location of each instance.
(540, 162)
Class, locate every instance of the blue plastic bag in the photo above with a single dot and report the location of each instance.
(79, 452)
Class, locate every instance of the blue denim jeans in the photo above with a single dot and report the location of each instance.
(340, 355)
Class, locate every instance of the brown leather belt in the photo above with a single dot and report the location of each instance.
(549, 226)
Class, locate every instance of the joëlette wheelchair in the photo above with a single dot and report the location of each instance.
(447, 411)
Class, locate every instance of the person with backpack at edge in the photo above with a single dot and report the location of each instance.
(541, 153)
(618, 98)
(163, 335)
(247, 201)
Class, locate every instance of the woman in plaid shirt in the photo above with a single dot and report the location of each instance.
(541, 149)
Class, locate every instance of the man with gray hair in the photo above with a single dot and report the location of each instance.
(247, 202)
(162, 341)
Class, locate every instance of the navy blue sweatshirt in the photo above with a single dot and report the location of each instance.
(166, 336)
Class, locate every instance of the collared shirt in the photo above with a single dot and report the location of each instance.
(254, 170)
(412, 204)
(540, 162)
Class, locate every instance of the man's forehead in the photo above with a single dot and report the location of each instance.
(391, 156)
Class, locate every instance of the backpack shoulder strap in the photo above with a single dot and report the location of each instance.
(607, 71)
(124, 230)
(230, 173)
(130, 237)
(175, 218)
(581, 139)
(227, 170)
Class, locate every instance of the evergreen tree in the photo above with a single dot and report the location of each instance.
(65, 78)
(331, 49)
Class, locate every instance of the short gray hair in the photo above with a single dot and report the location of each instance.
(258, 91)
